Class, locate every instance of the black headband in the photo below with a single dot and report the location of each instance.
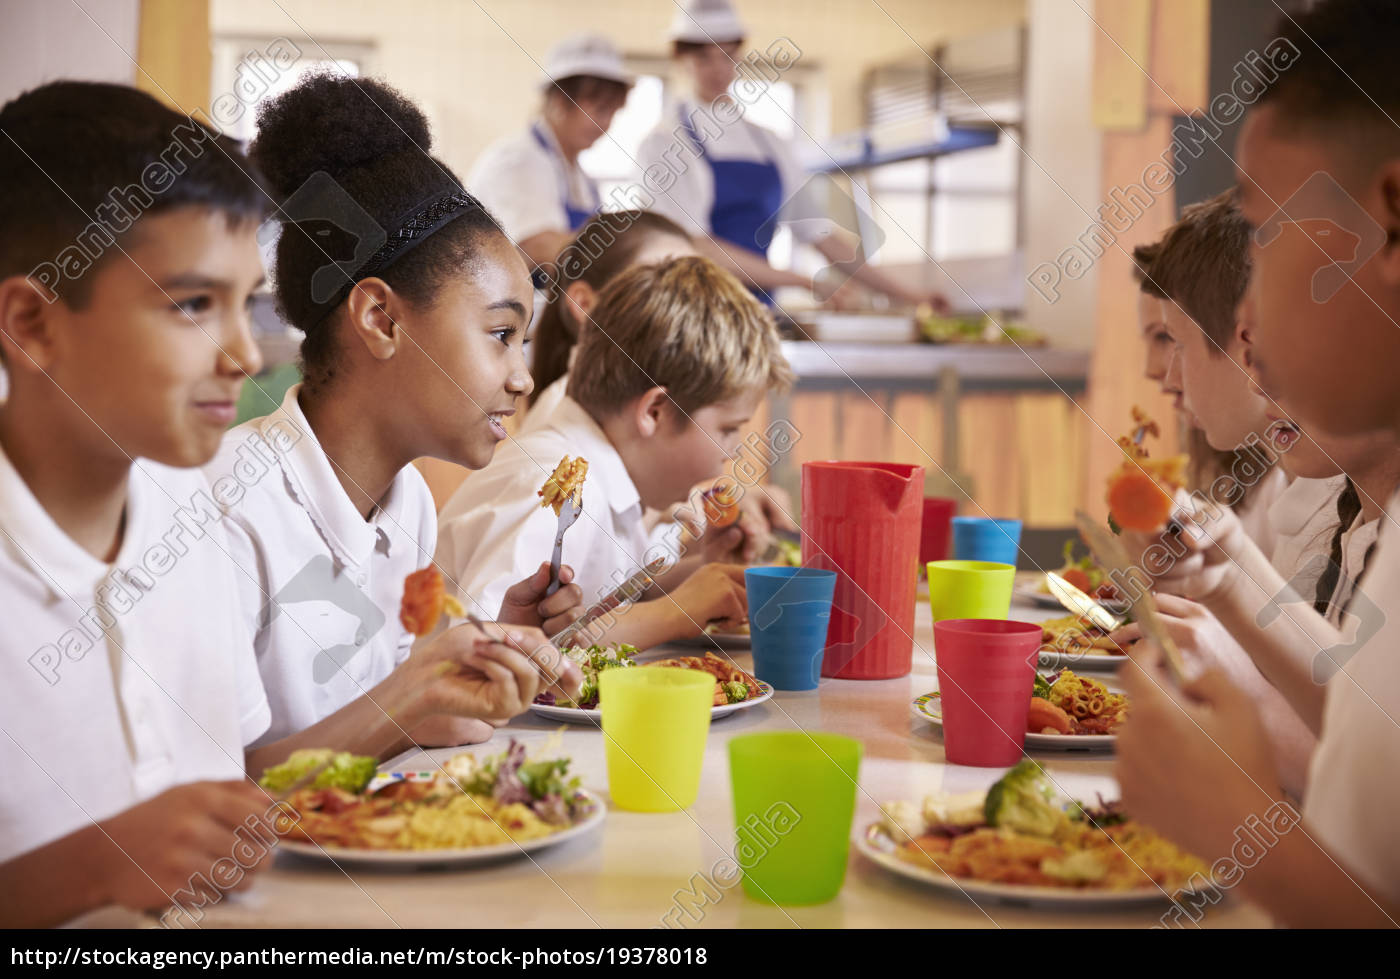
(410, 229)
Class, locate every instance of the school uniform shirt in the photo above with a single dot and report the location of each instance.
(493, 531)
(1303, 518)
(526, 182)
(745, 177)
(1352, 792)
(1254, 515)
(1356, 543)
(323, 585)
(123, 679)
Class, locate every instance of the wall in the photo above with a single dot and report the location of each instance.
(1060, 174)
(42, 40)
(472, 65)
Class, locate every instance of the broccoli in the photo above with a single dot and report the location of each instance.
(1022, 800)
(343, 770)
(735, 691)
(1042, 687)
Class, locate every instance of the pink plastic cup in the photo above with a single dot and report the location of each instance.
(936, 529)
(986, 672)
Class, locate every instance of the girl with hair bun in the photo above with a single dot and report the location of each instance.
(413, 306)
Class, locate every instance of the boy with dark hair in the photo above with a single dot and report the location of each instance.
(127, 258)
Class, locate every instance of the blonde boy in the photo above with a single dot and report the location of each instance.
(675, 360)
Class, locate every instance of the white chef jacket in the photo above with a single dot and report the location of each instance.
(122, 679)
(691, 192)
(323, 585)
(1352, 792)
(493, 531)
(526, 185)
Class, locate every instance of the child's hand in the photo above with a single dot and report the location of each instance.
(525, 602)
(1203, 561)
(1204, 642)
(715, 592)
(493, 676)
(1192, 764)
(151, 850)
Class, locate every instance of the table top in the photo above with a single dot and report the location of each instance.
(630, 871)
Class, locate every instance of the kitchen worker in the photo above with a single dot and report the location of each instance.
(532, 181)
(746, 178)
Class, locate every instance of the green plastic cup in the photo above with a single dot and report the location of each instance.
(655, 722)
(970, 589)
(794, 799)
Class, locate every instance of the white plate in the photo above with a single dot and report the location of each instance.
(574, 715)
(450, 858)
(1028, 593)
(927, 708)
(876, 846)
(1053, 659)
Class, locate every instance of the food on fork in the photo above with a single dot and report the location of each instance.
(565, 483)
(1140, 492)
(425, 598)
(721, 502)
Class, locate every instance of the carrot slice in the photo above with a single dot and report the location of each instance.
(1136, 501)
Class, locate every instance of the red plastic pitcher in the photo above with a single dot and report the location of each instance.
(861, 520)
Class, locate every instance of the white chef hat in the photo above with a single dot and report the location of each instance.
(584, 54)
(706, 22)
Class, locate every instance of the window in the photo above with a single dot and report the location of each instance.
(959, 205)
(240, 68)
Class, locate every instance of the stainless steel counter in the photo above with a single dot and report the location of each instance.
(922, 365)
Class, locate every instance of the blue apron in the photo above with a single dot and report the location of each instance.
(576, 216)
(748, 196)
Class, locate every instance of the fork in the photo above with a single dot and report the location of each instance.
(569, 510)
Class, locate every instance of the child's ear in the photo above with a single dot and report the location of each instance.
(370, 305)
(579, 300)
(651, 411)
(26, 325)
(1389, 255)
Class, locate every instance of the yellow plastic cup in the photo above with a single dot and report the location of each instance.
(970, 589)
(655, 722)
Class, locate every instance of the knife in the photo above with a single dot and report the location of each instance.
(1081, 604)
(1113, 557)
(629, 591)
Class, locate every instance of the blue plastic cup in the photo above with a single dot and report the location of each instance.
(789, 613)
(986, 539)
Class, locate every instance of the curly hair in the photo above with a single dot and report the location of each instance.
(373, 143)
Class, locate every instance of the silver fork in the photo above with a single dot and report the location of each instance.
(568, 513)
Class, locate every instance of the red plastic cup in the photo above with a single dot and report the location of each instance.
(936, 529)
(986, 672)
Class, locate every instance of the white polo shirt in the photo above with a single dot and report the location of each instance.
(1303, 518)
(525, 184)
(1353, 794)
(323, 584)
(121, 680)
(690, 196)
(493, 531)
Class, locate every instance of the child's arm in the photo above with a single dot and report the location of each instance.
(714, 592)
(1212, 790)
(461, 672)
(137, 859)
(1215, 563)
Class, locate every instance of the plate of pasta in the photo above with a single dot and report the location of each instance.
(1018, 842)
(469, 811)
(1071, 641)
(1068, 711)
(735, 689)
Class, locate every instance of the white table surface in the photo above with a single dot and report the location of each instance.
(629, 871)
